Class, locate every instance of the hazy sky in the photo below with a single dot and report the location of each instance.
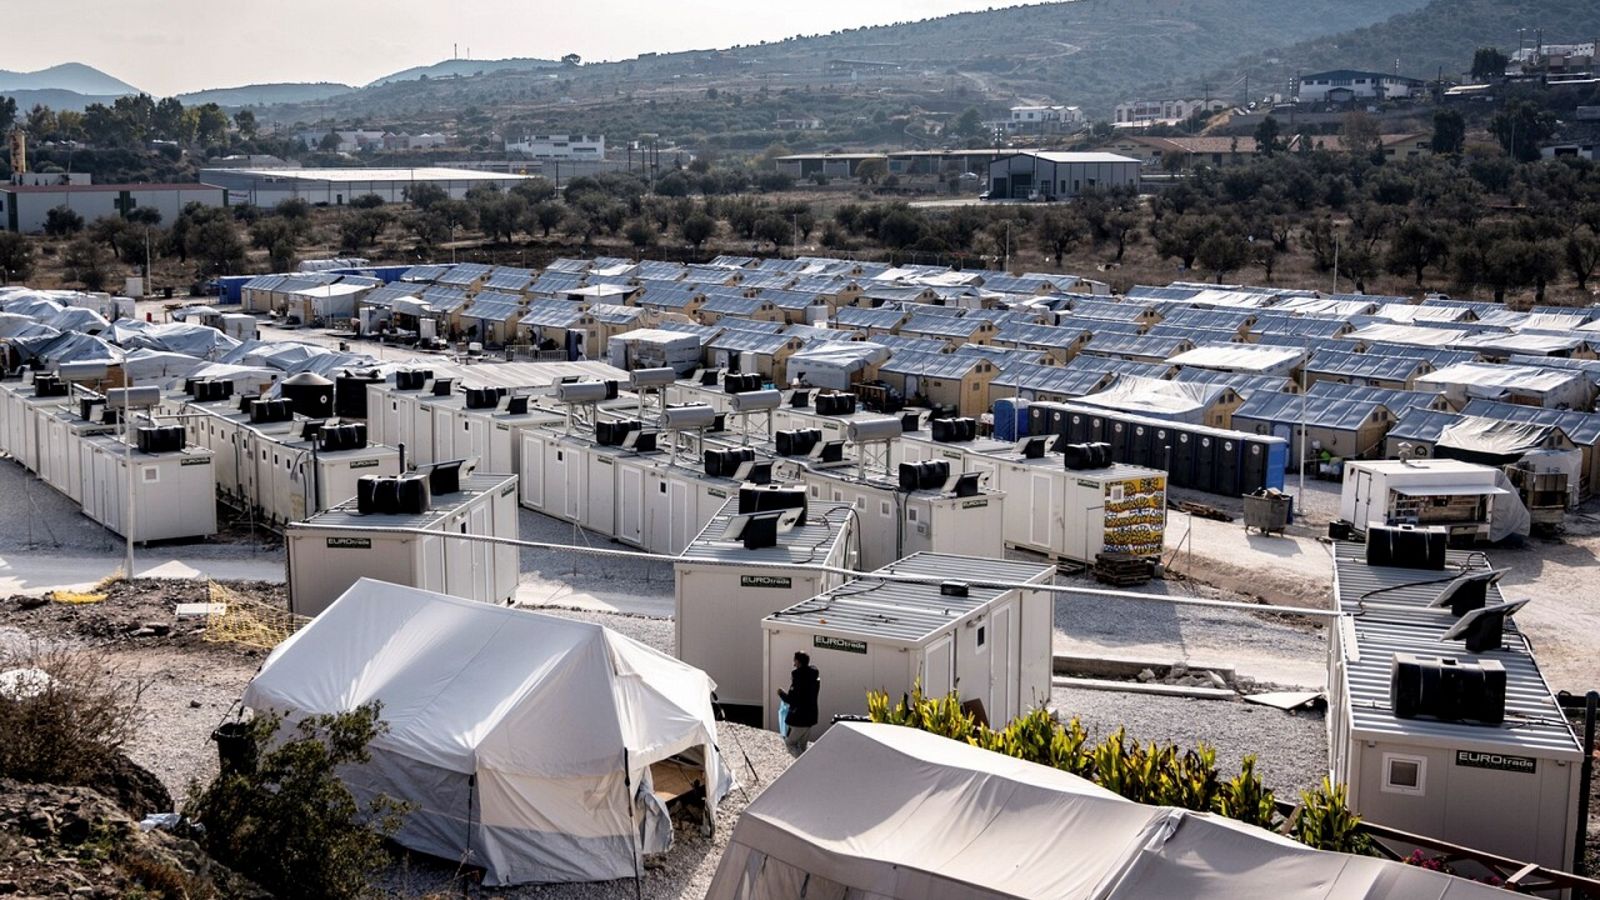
(171, 46)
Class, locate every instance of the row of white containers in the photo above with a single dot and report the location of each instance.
(173, 493)
(659, 503)
(271, 468)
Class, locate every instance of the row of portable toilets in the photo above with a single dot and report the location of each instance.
(1214, 460)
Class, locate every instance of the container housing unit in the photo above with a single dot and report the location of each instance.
(738, 571)
(330, 551)
(174, 494)
(1454, 737)
(990, 644)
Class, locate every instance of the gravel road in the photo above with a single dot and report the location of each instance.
(1291, 748)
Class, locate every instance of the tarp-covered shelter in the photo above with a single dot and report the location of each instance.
(839, 365)
(1528, 385)
(525, 741)
(1195, 403)
(883, 812)
(1495, 442)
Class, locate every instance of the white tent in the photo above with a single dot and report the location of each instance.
(874, 812)
(525, 740)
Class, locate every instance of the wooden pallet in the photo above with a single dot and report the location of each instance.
(1121, 570)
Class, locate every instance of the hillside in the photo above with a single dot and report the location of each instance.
(267, 94)
(465, 68)
(57, 99)
(1092, 53)
(1439, 37)
(75, 77)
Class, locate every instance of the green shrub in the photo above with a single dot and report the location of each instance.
(1146, 773)
(1245, 798)
(1326, 822)
(290, 823)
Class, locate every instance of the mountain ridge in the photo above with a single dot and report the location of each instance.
(79, 78)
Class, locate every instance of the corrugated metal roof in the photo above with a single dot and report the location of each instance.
(908, 613)
(886, 317)
(751, 342)
(551, 314)
(1535, 724)
(814, 542)
(1317, 411)
(932, 365)
(509, 279)
(1055, 380)
(1422, 424)
(490, 306)
(1396, 399)
(1366, 365)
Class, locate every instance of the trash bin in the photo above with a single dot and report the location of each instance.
(1267, 511)
(236, 747)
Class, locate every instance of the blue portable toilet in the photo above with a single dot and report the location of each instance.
(1010, 419)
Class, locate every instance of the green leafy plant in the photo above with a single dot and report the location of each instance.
(288, 821)
(1158, 774)
(1326, 822)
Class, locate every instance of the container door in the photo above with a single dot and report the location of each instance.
(1205, 463)
(683, 513)
(973, 651)
(1004, 679)
(481, 518)
(599, 510)
(1041, 502)
(1227, 467)
(532, 480)
(432, 565)
(444, 434)
(939, 667)
(630, 505)
(1183, 456)
(1253, 466)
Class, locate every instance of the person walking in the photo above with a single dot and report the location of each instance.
(804, 683)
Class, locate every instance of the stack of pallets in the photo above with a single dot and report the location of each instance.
(1121, 569)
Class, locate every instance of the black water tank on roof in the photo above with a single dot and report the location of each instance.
(160, 439)
(393, 495)
(797, 442)
(350, 394)
(1407, 546)
(264, 411)
(309, 394)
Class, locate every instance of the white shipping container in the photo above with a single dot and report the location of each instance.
(1511, 787)
(719, 608)
(330, 551)
(991, 645)
(174, 494)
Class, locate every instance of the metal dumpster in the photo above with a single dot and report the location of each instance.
(1267, 511)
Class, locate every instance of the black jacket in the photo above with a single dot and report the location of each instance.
(801, 696)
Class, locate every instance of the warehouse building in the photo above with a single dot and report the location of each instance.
(336, 187)
(24, 207)
(1053, 175)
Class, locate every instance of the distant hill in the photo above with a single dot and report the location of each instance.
(1091, 53)
(1439, 37)
(266, 94)
(58, 100)
(75, 77)
(466, 68)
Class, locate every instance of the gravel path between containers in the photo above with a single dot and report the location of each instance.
(1291, 748)
(1268, 648)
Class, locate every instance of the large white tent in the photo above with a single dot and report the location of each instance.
(525, 740)
(874, 812)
